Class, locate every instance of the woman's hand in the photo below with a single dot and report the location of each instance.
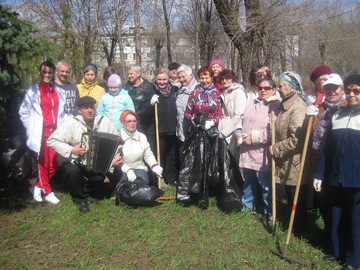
(246, 138)
(158, 170)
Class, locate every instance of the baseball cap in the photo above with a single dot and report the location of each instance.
(333, 79)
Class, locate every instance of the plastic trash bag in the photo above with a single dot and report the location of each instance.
(208, 168)
(136, 193)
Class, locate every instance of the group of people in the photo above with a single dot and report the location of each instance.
(214, 138)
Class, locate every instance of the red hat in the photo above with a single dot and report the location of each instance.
(219, 62)
(319, 71)
(126, 113)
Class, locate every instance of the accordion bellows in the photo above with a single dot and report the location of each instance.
(101, 150)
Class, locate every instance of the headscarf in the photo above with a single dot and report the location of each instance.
(293, 80)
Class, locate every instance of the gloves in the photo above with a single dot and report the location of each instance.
(209, 124)
(158, 170)
(131, 175)
(312, 110)
(310, 98)
(154, 99)
(317, 184)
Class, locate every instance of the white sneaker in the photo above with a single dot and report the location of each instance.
(36, 192)
(51, 198)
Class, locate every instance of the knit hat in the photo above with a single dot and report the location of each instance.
(85, 100)
(333, 79)
(126, 113)
(219, 62)
(352, 79)
(114, 81)
(319, 71)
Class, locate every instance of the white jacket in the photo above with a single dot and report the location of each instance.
(136, 149)
(234, 103)
(69, 133)
(32, 118)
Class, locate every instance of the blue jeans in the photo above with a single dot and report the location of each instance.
(252, 179)
(139, 174)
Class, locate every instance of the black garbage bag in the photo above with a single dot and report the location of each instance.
(136, 193)
(229, 196)
(192, 184)
(207, 164)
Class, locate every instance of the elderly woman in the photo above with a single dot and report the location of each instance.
(255, 138)
(141, 91)
(339, 167)
(205, 167)
(204, 112)
(334, 99)
(88, 85)
(165, 98)
(257, 73)
(289, 142)
(136, 150)
(217, 65)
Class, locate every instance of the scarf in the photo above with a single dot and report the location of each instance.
(165, 91)
(206, 94)
(130, 134)
(324, 122)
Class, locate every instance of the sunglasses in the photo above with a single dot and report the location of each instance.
(266, 88)
(356, 91)
(130, 121)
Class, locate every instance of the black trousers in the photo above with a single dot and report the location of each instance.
(82, 183)
(167, 156)
(300, 219)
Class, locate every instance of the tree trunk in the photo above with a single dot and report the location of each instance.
(197, 30)
(167, 24)
(137, 32)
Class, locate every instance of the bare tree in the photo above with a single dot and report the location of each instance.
(167, 25)
(137, 31)
(201, 25)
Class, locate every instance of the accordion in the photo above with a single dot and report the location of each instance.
(101, 150)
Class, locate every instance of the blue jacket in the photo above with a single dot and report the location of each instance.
(340, 159)
(113, 106)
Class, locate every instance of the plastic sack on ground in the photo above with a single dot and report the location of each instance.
(208, 168)
(136, 193)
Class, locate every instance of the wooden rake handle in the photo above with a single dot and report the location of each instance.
(157, 141)
(273, 184)
(293, 209)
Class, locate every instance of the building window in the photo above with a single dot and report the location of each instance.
(125, 57)
(134, 56)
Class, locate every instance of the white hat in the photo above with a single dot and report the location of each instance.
(333, 79)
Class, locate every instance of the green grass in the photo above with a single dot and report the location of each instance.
(166, 236)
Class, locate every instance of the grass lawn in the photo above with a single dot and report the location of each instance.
(166, 236)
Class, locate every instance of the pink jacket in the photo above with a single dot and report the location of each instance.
(256, 122)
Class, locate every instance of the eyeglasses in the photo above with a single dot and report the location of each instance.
(356, 91)
(266, 88)
(130, 121)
